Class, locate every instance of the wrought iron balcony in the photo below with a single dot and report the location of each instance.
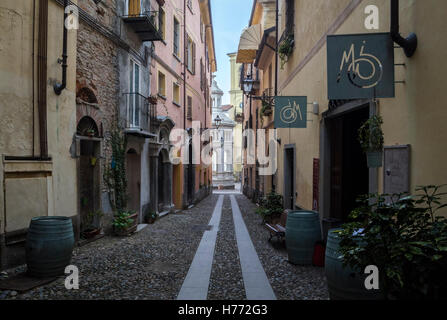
(145, 25)
(139, 114)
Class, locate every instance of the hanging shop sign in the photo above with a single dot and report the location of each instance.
(290, 112)
(360, 66)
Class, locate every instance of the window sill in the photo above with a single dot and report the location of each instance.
(192, 73)
(176, 104)
(161, 96)
(177, 57)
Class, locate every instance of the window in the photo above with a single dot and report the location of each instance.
(133, 7)
(202, 75)
(161, 84)
(191, 55)
(176, 93)
(161, 22)
(290, 13)
(176, 37)
(189, 112)
(133, 110)
(202, 30)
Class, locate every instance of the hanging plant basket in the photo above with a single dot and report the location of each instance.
(371, 140)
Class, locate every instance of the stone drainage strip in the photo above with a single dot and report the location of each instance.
(256, 283)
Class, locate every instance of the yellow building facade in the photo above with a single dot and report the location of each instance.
(236, 97)
(37, 170)
(414, 120)
(321, 167)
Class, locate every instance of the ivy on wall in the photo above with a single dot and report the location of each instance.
(115, 173)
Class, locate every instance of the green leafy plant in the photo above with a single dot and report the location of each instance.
(285, 49)
(270, 206)
(370, 134)
(403, 236)
(122, 220)
(115, 173)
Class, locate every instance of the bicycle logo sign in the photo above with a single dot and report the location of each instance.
(360, 66)
(290, 112)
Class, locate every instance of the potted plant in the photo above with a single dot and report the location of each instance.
(270, 207)
(371, 140)
(90, 133)
(150, 217)
(124, 223)
(91, 224)
(153, 99)
(405, 236)
(286, 49)
(266, 109)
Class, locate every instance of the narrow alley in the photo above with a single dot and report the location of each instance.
(157, 262)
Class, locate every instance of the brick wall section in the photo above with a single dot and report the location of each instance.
(97, 69)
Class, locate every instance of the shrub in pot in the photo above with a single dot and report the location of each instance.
(91, 224)
(124, 223)
(270, 207)
(405, 237)
(150, 216)
(370, 136)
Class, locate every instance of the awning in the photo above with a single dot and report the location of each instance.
(249, 44)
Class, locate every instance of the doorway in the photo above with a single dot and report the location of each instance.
(349, 173)
(289, 177)
(89, 176)
(133, 173)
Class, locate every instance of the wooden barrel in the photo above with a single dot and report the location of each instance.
(49, 245)
(303, 230)
(344, 283)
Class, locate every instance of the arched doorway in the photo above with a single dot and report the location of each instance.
(89, 171)
(133, 173)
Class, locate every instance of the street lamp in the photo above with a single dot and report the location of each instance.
(217, 121)
(248, 85)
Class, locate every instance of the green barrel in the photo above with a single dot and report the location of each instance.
(49, 245)
(344, 283)
(302, 231)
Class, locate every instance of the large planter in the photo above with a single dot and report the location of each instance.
(374, 159)
(303, 230)
(49, 246)
(130, 229)
(344, 283)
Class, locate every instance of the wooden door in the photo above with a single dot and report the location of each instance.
(133, 181)
(134, 7)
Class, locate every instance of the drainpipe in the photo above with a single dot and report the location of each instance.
(411, 42)
(42, 77)
(58, 87)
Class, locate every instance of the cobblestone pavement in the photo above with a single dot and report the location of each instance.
(150, 264)
(226, 276)
(289, 282)
(153, 263)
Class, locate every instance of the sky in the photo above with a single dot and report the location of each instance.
(230, 17)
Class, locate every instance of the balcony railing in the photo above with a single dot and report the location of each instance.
(139, 115)
(145, 25)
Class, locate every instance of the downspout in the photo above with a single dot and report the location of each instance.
(58, 87)
(42, 77)
(276, 49)
(411, 42)
(184, 64)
